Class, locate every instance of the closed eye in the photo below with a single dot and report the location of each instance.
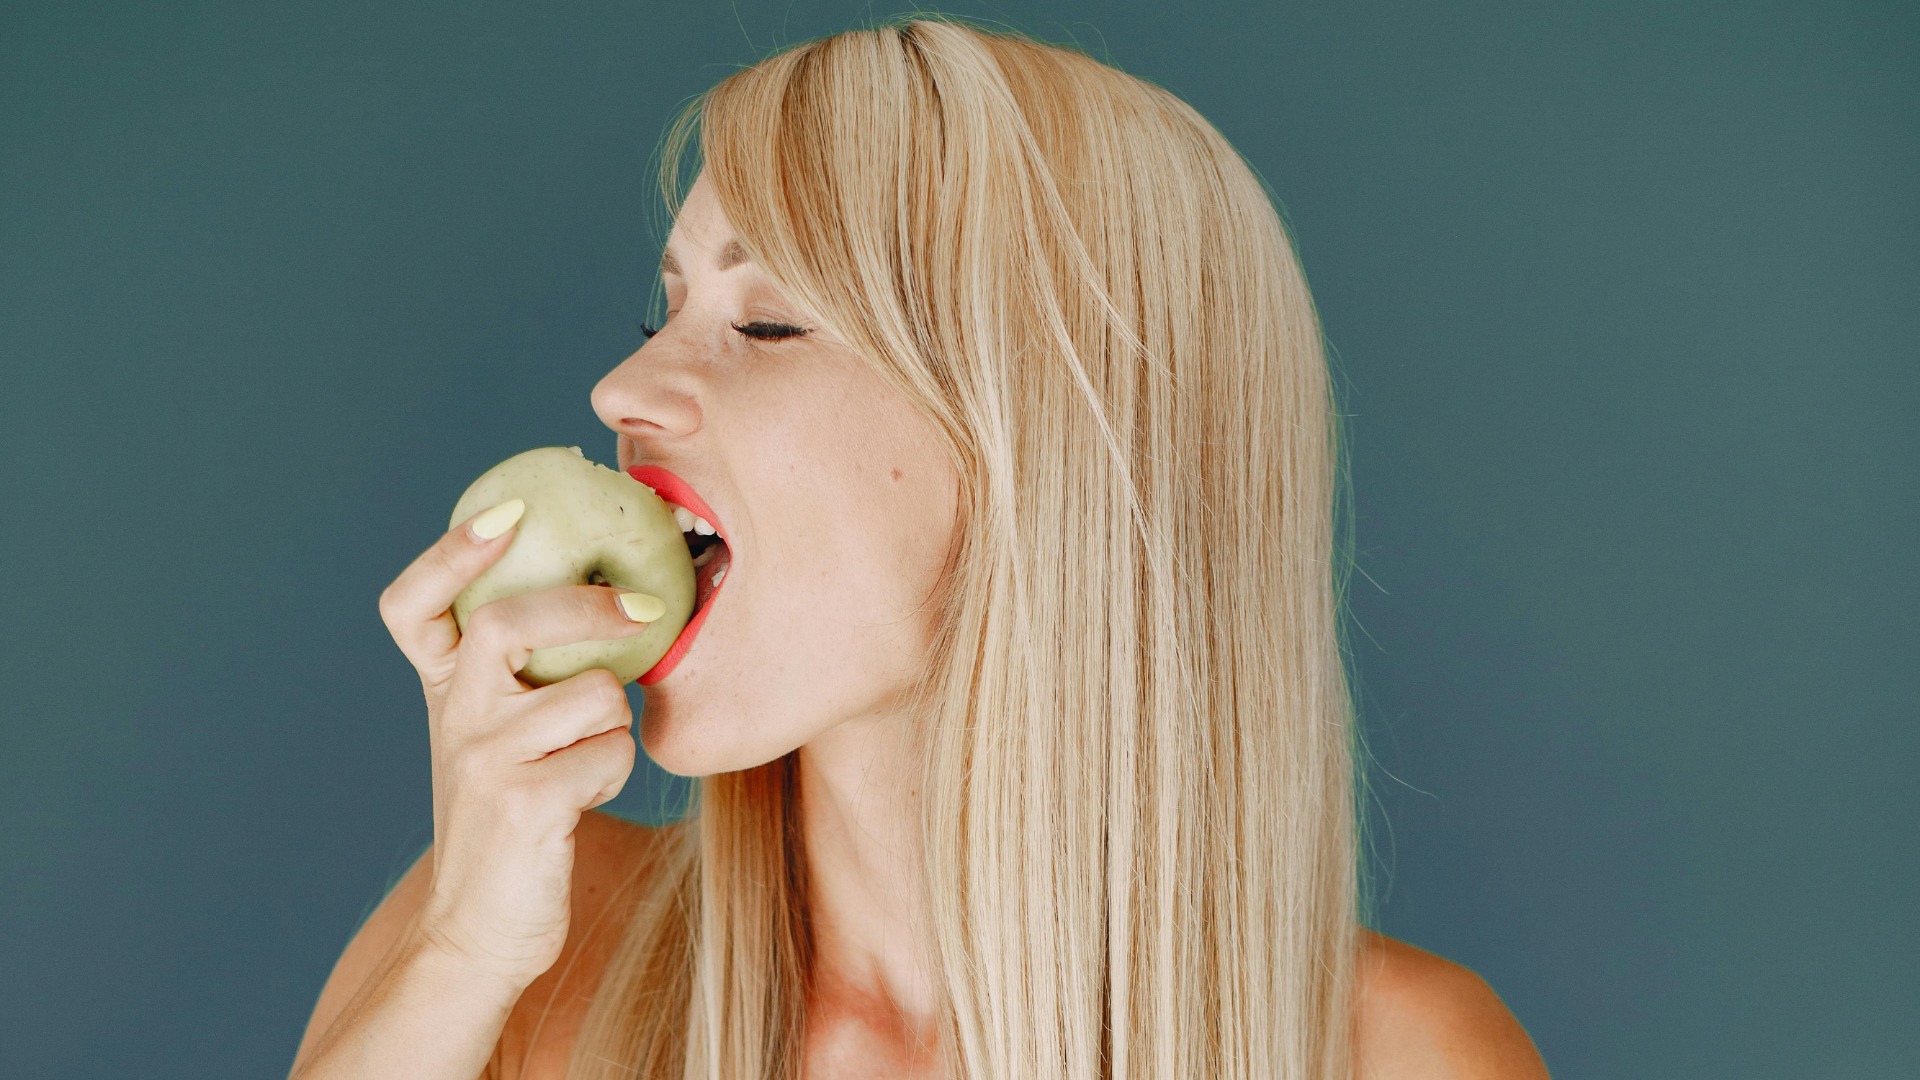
(770, 331)
(758, 330)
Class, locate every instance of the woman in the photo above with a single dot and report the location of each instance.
(1025, 744)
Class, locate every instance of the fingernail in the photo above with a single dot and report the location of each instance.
(640, 607)
(496, 520)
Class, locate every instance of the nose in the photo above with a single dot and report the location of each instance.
(647, 398)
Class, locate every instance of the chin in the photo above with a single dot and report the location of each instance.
(669, 745)
(700, 740)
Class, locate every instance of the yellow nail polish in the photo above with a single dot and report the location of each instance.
(642, 607)
(492, 522)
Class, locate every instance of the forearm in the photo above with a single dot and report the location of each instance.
(424, 1017)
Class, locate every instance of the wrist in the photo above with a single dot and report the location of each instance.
(454, 971)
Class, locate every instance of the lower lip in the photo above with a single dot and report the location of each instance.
(684, 643)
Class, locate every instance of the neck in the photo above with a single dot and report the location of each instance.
(859, 806)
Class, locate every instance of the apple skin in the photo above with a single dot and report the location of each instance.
(585, 524)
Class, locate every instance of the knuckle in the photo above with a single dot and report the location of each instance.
(620, 712)
(608, 754)
(490, 622)
(606, 707)
(607, 737)
(607, 689)
(586, 691)
(389, 605)
(613, 766)
(624, 750)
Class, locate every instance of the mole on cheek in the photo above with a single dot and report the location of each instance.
(896, 474)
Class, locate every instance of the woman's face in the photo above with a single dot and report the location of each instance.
(834, 496)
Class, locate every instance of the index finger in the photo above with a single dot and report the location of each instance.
(416, 606)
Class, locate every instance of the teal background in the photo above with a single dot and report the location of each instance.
(1623, 297)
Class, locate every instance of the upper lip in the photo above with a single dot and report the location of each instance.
(676, 491)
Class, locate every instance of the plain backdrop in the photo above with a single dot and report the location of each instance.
(1622, 298)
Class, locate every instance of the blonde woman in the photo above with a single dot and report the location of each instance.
(1025, 746)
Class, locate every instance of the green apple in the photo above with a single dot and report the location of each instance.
(585, 524)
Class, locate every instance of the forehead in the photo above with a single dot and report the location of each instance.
(701, 225)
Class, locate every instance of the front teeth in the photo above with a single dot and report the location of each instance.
(691, 522)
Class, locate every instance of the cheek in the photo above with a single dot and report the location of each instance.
(854, 570)
(847, 586)
(865, 513)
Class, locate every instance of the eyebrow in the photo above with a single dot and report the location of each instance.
(730, 256)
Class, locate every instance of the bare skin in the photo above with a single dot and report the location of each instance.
(1422, 1017)
(839, 508)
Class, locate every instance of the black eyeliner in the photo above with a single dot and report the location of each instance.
(759, 330)
(769, 331)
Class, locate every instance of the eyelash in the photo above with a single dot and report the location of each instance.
(758, 331)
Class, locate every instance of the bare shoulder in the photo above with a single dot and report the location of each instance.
(610, 858)
(1422, 1015)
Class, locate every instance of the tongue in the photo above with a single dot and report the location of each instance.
(703, 577)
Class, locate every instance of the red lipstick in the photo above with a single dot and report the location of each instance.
(679, 493)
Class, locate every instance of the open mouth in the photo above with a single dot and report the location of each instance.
(712, 558)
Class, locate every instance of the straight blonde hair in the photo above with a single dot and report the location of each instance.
(1141, 815)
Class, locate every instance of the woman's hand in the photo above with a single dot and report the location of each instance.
(514, 767)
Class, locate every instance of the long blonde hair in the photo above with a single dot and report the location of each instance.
(1141, 815)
